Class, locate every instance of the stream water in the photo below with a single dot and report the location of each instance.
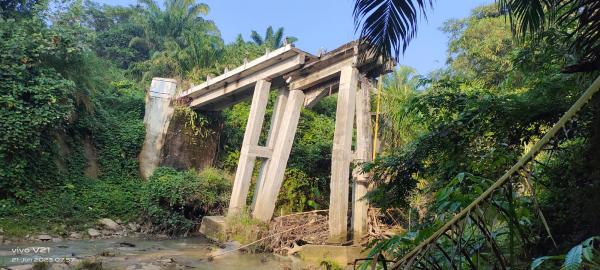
(149, 254)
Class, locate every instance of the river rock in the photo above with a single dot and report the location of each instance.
(56, 239)
(75, 236)
(93, 232)
(109, 224)
(166, 261)
(133, 226)
(44, 237)
(59, 266)
(231, 246)
(143, 266)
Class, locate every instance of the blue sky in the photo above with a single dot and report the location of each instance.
(328, 24)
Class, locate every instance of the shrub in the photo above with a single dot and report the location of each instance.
(173, 201)
(298, 192)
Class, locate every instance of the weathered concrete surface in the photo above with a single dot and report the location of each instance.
(341, 255)
(362, 154)
(265, 202)
(341, 155)
(186, 149)
(159, 111)
(213, 227)
(243, 174)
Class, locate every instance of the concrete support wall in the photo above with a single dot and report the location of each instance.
(243, 175)
(157, 117)
(342, 155)
(362, 154)
(265, 201)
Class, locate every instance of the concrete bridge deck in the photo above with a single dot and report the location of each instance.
(315, 75)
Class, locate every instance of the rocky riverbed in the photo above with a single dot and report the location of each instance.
(114, 245)
(133, 253)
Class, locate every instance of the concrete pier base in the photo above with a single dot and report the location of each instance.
(341, 255)
(213, 228)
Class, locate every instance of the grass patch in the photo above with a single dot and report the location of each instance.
(243, 228)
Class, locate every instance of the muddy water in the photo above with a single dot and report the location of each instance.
(123, 253)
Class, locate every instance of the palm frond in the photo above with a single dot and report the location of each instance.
(199, 9)
(278, 38)
(269, 37)
(527, 16)
(586, 15)
(389, 25)
(255, 36)
(152, 6)
(582, 16)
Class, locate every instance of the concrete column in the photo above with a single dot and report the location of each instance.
(243, 174)
(157, 116)
(362, 154)
(265, 201)
(342, 155)
(276, 117)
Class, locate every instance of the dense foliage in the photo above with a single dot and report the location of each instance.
(462, 127)
(72, 105)
(173, 201)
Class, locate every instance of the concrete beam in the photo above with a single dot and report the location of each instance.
(342, 155)
(322, 75)
(243, 174)
(260, 151)
(244, 83)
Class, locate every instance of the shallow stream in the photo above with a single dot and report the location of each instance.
(128, 253)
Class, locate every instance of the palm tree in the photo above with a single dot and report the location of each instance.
(398, 125)
(272, 40)
(389, 25)
(169, 23)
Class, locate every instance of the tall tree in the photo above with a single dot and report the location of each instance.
(169, 24)
(272, 39)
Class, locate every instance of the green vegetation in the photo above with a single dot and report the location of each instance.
(582, 256)
(244, 229)
(173, 201)
(72, 107)
(448, 137)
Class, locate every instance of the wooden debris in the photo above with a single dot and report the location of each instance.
(289, 241)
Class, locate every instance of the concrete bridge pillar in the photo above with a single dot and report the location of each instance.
(276, 117)
(342, 155)
(243, 174)
(158, 114)
(265, 201)
(362, 154)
